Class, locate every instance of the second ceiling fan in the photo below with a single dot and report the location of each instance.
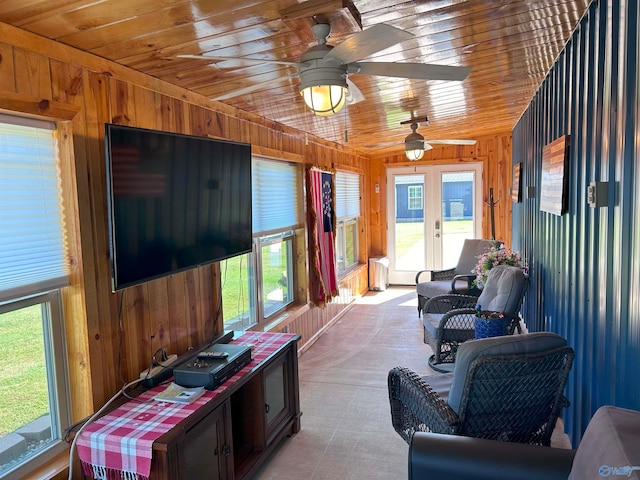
(323, 69)
(415, 144)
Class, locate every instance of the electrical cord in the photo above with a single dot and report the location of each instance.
(92, 418)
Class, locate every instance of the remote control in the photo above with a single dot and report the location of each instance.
(213, 355)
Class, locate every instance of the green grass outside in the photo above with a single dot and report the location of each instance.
(409, 234)
(235, 293)
(23, 379)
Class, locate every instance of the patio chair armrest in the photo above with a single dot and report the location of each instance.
(421, 272)
(449, 301)
(459, 319)
(443, 457)
(436, 275)
(415, 406)
(468, 280)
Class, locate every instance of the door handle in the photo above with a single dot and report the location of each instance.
(437, 225)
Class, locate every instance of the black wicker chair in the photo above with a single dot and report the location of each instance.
(449, 320)
(453, 280)
(502, 388)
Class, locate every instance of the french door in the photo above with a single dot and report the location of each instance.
(431, 210)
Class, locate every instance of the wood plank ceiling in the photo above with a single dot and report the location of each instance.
(509, 45)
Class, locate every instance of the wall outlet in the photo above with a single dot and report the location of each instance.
(162, 367)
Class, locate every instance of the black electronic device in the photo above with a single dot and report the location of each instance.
(175, 202)
(211, 371)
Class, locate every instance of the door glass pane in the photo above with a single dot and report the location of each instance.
(25, 416)
(457, 214)
(409, 224)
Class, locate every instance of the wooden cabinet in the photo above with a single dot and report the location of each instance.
(230, 437)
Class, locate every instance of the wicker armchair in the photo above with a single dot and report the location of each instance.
(453, 280)
(449, 320)
(502, 388)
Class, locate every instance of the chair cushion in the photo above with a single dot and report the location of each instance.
(503, 290)
(609, 447)
(431, 322)
(441, 384)
(508, 345)
(432, 289)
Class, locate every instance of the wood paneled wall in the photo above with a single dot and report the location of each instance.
(495, 154)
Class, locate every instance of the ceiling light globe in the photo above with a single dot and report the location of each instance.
(415, 154)
(325, 100)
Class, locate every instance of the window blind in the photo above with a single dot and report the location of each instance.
(347, 195)
(275, 196)
(32, 246)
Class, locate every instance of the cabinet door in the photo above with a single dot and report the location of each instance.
(205, 452)
(277, 396)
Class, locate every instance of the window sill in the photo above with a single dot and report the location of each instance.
(351, 270)
(282, 320)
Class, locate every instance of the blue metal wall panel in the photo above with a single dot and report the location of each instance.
(585, 265)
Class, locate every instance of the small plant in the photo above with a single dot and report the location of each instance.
(492, 257)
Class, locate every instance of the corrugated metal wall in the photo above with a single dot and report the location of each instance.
(585, 264)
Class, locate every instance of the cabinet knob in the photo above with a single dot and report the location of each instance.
(226, 451)
(266, 407)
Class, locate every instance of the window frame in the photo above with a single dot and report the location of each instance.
(289, 233)
(47, 291)
(55, 352)
(351, 216)
(414, 198)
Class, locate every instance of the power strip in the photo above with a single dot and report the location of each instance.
(161, 367)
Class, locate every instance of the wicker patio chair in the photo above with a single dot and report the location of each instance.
(449, 320)
(502, 388)
(453, 280)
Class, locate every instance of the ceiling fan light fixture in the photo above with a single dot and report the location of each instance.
(414, 145)
(325, 100)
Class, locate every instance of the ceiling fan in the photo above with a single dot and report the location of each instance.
(415, 144)
(323, 69)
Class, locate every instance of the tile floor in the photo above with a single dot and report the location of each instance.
(346, 424)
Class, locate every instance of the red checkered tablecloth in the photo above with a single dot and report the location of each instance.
(118, 444)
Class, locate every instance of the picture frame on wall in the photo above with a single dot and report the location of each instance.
(516, 186)
(554, 182)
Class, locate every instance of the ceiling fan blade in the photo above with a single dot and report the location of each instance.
(452, 142)
(254, 61)
(377, 145)
(354, 95)
(367, 42)
(251, 88)
(421, 71)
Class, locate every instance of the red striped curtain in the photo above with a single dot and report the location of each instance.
(323, 278)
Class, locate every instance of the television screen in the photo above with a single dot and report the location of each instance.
(175, 202)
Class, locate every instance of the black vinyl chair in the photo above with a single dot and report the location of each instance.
(453, 280)
(502, 388)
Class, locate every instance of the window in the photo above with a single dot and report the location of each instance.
(257, 286)
(34, 408)
(414, 193)
(347, 214)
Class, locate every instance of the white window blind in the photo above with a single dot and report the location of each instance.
(347, 195)
(275, 196)
(32, 246)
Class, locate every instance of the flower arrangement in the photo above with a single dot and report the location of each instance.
(492, 257)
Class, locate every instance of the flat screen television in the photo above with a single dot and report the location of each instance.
(174, 201)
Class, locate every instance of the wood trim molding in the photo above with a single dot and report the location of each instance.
(34, 107)
(276, 154)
